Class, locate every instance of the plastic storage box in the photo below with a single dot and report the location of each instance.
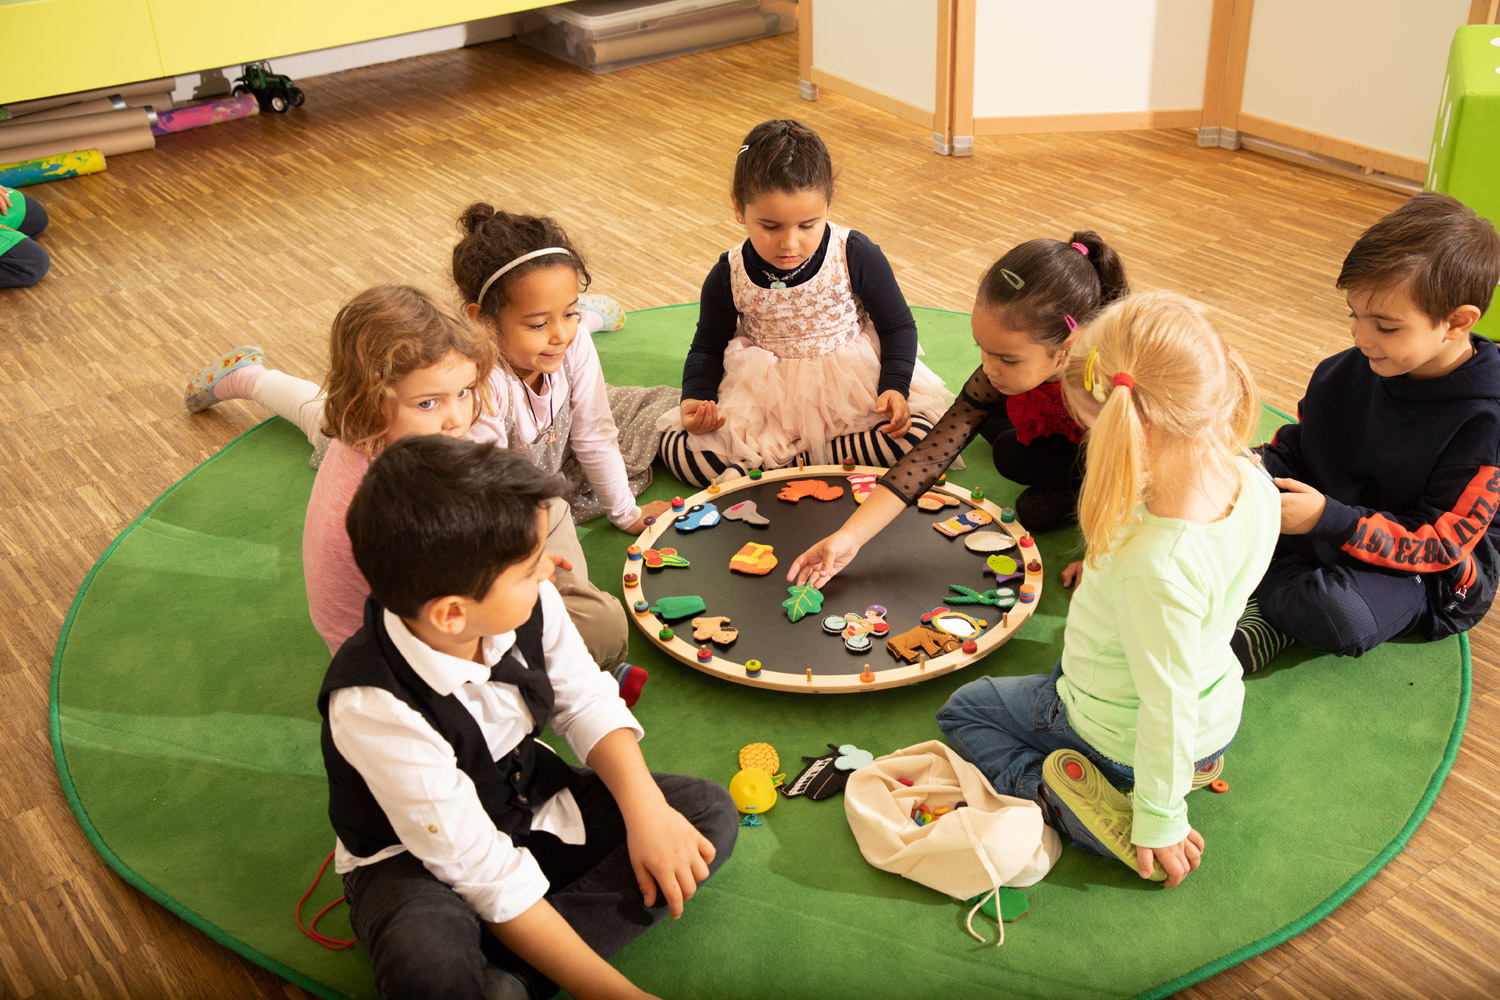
(606, 35)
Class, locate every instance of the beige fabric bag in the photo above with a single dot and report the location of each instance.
(993, 840)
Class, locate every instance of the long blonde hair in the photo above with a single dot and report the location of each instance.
(378, 338)
(1189, 388)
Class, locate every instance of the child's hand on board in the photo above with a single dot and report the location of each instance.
(701, 416)
(1070, 573)
(1301, 506)
(656, 508)
(898, 410)
(1178, 859)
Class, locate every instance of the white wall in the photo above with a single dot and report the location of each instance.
(889, 46)
(1068, 57)
(1368, 72)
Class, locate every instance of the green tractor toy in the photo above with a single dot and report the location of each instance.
(273, 91)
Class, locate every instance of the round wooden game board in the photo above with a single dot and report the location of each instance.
(907, 568)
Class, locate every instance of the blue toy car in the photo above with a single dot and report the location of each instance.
(699, 515)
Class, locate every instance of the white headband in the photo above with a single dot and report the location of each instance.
(516, 263)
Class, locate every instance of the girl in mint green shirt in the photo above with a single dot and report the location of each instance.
(1179, 529)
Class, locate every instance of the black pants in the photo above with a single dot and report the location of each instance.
(1051, 460)
(424, 940)
(26, 263)
(1312, 593)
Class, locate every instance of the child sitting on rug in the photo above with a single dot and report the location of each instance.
(1178, 528)
(804, 340)
(1030, 302)
(476, 862)
(1392, 472)
(22, 260)
(400, 364)
(551, 400)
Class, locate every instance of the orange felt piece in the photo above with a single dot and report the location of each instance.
(753, 558)
(798, 489)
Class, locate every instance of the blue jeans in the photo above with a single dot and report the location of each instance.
(1006, 726)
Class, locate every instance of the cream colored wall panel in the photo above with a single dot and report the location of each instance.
(1368, 73)
(1089, 56)
(888, 46)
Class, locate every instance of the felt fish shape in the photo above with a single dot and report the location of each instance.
(699, 515)
(745, 511)
(960, 524)
(798, 489)
(1000, 597)
(753, 558)
(673, 608)
(861, 486)
(659, 558)
(989, 541)
(932, 500)
(805, 600)
(716, 629)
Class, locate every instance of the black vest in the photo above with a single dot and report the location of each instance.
(509, 788)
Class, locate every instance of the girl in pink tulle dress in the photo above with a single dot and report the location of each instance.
(805, 346)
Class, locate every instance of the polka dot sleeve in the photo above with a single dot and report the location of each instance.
(921, 467)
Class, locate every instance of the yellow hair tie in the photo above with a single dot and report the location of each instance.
(1090, 384)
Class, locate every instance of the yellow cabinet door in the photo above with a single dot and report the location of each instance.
(60, 46)
(194, 36)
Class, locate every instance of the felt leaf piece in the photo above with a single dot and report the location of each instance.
(658, 558)
(852, 758)
(805, 600)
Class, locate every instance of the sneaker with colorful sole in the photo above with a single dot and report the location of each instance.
(1094, 813)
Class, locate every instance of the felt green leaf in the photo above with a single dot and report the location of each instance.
(805, 600)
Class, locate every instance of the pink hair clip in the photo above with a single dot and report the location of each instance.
(1072, 323)
(1080, 248)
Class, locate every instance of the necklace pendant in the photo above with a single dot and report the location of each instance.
(778, 284)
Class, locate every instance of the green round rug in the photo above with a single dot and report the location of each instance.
(186, 736)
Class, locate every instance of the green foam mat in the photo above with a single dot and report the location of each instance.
(186, 736)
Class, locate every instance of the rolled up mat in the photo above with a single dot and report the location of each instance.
(735, 28)
(24, 134)
(207, 113)
(131, 140)
(92, 107)
(161, 102)
(51, 168)
(165, 84)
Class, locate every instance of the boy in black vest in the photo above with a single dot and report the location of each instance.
(1391, 476)
(468, 846)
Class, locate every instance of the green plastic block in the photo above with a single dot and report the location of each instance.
(1465, 158)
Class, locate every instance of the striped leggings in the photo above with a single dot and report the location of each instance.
(699, 467)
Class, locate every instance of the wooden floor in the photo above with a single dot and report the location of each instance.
(254, 231)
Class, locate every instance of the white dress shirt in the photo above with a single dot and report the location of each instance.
(414, 775)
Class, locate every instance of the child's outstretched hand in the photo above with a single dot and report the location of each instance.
(656, 508)
(822, 562)
(1178, 860)
(701, 416)
(668, 852)
(1301, 506)
(895, 407)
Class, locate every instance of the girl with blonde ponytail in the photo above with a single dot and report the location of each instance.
(1179, 528)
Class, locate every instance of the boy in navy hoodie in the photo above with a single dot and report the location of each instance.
(475, 861)
(1391, 476)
